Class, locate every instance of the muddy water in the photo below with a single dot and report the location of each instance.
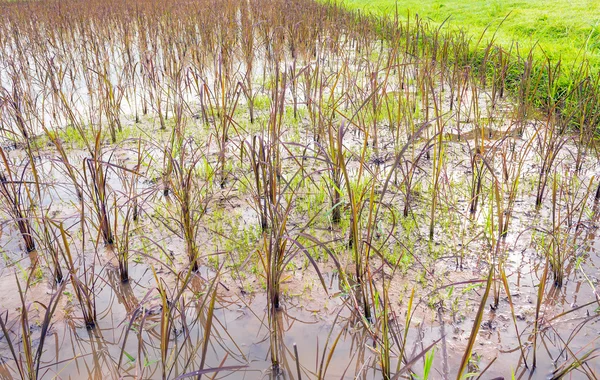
(239, 334)
(126, 341)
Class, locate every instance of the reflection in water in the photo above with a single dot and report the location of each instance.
(236, 332)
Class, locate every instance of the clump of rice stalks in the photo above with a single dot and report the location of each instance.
(190, 182)
(127, 214)
(95, 172)
(28, 357)
(263, 191)
(83, 278)
(14, 192)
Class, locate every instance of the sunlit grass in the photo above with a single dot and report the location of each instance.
(569, 30)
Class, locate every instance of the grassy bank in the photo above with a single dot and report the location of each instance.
(550, 73)
(566, 30)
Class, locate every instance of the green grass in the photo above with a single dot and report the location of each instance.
(564, 29)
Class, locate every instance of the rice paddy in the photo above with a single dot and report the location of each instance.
(290, 190)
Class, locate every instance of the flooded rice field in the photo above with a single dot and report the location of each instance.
(289, 190)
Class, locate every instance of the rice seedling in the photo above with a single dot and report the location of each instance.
(476, 326)
(356, 197)
(258, 158)
(280, 244)
(438, 159)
